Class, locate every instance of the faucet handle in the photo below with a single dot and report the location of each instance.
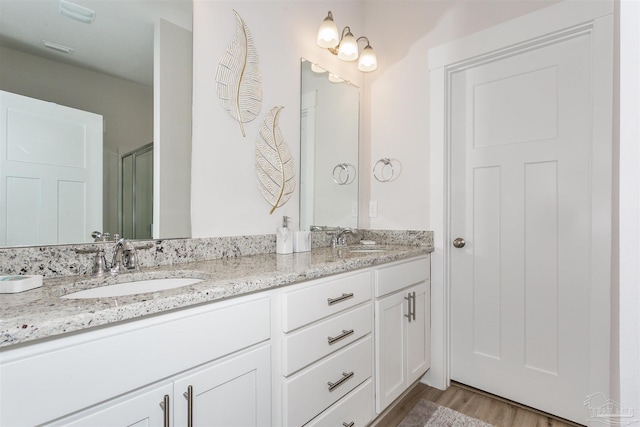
(100, 236)
(100, 266)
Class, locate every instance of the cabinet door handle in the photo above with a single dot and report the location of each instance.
(344, 334)
(351, 424)
(345, 377)
(189, 396)
(165, 408)
(408, 315)
(336, 300)
(413, 313)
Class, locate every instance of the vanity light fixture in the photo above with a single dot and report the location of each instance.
(77, 12)
(346, 45)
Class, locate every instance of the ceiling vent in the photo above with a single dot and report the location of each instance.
(58, 47)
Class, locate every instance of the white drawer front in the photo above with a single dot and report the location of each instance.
(305, 346)
(398, 276)
(307, 393)
(356, 408)
(324, 298)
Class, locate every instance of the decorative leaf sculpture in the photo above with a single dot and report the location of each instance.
(274, 164)
(239, 78)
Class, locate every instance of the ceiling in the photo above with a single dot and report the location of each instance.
(119, 42)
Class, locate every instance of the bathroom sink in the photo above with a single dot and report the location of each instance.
(366, 249)
(132, 288)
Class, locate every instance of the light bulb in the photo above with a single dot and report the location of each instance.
(368, 61)
(348, 50)
(328, 33)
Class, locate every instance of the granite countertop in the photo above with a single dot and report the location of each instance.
(41, 313)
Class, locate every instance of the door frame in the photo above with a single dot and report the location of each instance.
(502, 40)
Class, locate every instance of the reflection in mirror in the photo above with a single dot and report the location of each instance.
(117, 66)
(328, 149)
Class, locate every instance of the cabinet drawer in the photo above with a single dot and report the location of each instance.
(398, 276)
(307, 345)
(356, 408)
(324, 298)
(307, 393)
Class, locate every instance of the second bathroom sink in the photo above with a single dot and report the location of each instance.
(132, 288)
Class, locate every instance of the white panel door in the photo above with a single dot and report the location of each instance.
(233, 393)
(50, 172)
(521, 187)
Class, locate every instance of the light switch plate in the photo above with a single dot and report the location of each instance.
(373, 209)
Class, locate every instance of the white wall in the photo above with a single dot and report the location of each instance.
(225, 196)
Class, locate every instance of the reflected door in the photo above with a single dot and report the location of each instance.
(137, 193)
(50, 172)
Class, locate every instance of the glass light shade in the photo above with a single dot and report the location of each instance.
(334, 78)
(348, 50)
(328, 33)
(317, 69)
(368, 61)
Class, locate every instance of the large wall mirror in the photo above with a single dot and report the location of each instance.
(126, 64)
(328, 149)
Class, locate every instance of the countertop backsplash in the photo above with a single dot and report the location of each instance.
(62, 260)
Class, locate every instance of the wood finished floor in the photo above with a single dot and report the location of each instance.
(475, 403)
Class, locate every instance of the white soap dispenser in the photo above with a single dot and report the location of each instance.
(284, 238)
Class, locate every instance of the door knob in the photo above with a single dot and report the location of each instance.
(459, 242)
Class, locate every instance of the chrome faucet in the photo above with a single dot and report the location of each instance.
(340, 238)
(124, 256)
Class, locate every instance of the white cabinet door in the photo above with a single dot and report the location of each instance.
(390, 348)
(402, 342)
(232, 392)
(143, 408)
(419, 334)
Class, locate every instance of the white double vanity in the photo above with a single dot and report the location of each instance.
(327, 338)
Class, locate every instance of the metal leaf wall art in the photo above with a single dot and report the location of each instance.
(274, 164)
(239, 80)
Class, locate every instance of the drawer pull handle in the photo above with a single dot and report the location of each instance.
(341, 298)
(165, 407)
(344, 334)
(351, 424)
(189, 396)
(345, 377)
(411, 308)
(413, 314)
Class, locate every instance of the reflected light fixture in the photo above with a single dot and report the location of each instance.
(346, 45)
(334, 78)
(317, 69)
